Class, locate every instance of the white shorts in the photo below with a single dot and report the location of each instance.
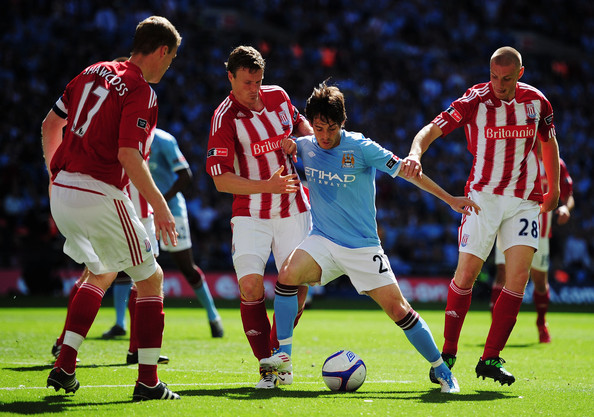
(151, 231)
(512, 220)
(184, 238)
(258, 237)
(540, 261)
(368, 268)
(101, 227)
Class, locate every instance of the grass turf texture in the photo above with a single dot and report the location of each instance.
(215, 377)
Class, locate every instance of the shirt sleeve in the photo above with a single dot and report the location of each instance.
(380, 158)
(220, 155)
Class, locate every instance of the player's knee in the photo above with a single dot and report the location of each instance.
(251, 287)
(288, 275)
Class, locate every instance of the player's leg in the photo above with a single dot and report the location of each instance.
(288, 234)
(83, 311)
(499, 281)
(542, 298)
(121, 292)
(133, 344)
(302, 295)
(505, 313)
(476, 236)
(459, 299)
(541, 294)
(58, 344)
(390, 298)
(184, 261)
(149, 322)
(518, 238)
(299, 268)
(252, 241)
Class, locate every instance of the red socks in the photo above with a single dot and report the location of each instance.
(133, 346)
(73, 292)
(149, 321)
(505, 314)
(256, 326)
(81, 315)
(457, 307)
(495, 291)
(541, 303)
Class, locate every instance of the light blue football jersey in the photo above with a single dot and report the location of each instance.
(341, 184)
(164, 162)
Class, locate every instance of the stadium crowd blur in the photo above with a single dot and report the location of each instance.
(399, 63)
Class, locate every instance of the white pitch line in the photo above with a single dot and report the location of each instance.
(246, 384)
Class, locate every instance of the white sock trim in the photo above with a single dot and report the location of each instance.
(74, 340)
(148, 356)
(287, 341)
(437, 362)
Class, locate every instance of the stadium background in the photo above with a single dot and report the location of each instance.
(398, 62)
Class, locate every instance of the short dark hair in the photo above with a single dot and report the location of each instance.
(507, 55)
(154, 32)
(245, 57)
(326, 102)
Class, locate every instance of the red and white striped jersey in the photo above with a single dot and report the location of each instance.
(566, 186)
(502, 138)
(247, 143)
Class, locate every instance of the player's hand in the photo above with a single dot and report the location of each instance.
(411, 167)
(165, 226)
(549, 202)
(464, 205)
(289, 147)
(282, 184)
(563, 215)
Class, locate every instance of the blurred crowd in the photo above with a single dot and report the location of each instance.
(399, 62)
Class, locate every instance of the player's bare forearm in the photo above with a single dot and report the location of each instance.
(138, 172)
(411, 165)
(304, 129)
(276, 184)
(550, 159)
(462, 205)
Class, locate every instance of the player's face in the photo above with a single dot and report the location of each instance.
(246, 86)
(504, 79)
(327, 132)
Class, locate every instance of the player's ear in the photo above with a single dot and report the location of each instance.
(164, 50)
(521, 72)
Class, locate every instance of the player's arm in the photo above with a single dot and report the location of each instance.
(411, 165)
(229, 182)
(138, 172)
(462, 205)
(51, 136)
(550, 159)
(564, 211)
(183, 181)
(303, 129)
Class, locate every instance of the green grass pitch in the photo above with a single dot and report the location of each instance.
(215, 377)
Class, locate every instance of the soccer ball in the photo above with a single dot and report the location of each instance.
(344, 371)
